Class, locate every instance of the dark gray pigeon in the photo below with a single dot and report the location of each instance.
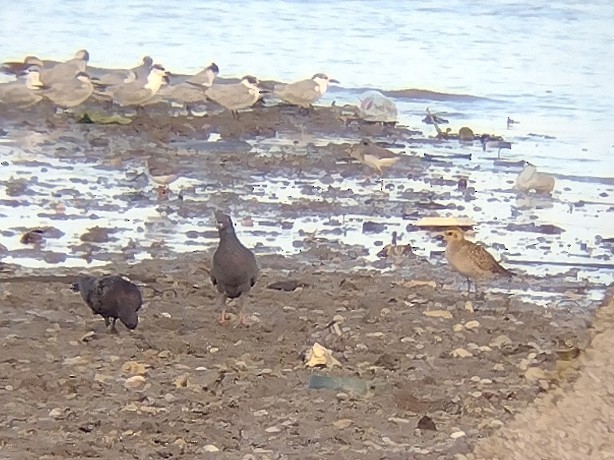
(111, 297)
(234, 270)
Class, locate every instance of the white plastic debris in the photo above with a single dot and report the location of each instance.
(374, 106)
(530, 179)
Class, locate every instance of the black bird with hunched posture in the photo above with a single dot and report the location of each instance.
(111, 297)
(234, 270)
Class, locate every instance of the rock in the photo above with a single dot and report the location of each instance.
(426, 423)
(461, 353)
(132, 367)
(135, 382)
(287, 285)
(472, 324)
(343, 423)
(210, 448)
(457, 434)
(182, 381)
(438, 314)
(272, 429)
(410, 284)
(534, 374)
(56, 412)
(500, 341)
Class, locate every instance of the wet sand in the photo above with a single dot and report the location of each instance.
(441, 370)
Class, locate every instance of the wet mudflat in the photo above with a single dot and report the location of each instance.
(436, 370)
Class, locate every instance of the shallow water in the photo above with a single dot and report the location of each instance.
(544, 65)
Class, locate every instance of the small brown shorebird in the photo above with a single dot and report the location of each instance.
(161, 172)
(470, 259)
(374, 156)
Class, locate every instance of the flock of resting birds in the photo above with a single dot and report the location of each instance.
(68, 84)
(234, 267)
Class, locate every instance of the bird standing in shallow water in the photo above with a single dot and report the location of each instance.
(494, 142)
(111, 297)
(372, 155)
(234, 270)
(470, 259)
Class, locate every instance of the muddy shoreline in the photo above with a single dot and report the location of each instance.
(442, 370)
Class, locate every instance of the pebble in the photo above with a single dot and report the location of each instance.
(475, 378)
(272, 429)
(398, 420)
(461, 353)
(76, 361)
(472, 324)
(458, 327)
(343, 423)
(55, 412)
(342, 396)
(500, 341)
(445, 314)
(374, 334)
(533, 374)
(457, 434)
(182, 381)
(210, 448)
(214, 350)
(132, 367)
(469, 306)
(135, 381)
(260, 413)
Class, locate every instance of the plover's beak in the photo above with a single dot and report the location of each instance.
(332, 80)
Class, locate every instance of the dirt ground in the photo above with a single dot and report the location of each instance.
(434, 371)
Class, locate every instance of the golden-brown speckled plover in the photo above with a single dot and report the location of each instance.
(470, 259)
